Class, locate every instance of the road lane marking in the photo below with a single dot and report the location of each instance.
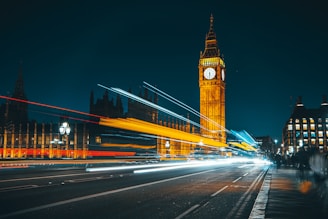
(240, 205)
(41, 207)
(84, 179)
(245, 174)
(41, 177)
(187, 212)
(214, 194)
(261, 201)
(236, 179)
(13, 188)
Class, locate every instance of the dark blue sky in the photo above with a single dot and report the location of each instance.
(274, 51)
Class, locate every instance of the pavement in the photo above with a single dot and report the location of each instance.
(286, 194)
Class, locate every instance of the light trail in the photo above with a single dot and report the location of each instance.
(97, 169)
(193, 111)
(137, 125)
(150, 104)
(181, 104)
(49, 106)
(144, 128)
(151, 128)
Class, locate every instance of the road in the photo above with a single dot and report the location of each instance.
(195, 189)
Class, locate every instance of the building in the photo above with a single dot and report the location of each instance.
(307, 128)
(212, 69)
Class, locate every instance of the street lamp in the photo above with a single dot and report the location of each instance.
(64, 129)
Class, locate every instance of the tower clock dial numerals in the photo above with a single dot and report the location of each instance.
(209, 73)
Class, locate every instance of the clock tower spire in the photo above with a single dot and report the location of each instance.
(211, 68)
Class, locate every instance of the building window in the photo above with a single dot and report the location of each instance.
(297, 134)
(305, 126)
(290, 127)
(312, 134)
(306, 142)
(326, 133)
(297, 126)
(312, 127)
(320, 134)
(313, 141)
(297, 121)
(320, 141)
(326, 120)
(305, 134)
(319, 126)
(319, 120)
(98, 139)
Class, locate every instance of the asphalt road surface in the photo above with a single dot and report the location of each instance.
(202, 189)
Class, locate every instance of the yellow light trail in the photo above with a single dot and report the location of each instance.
(151, 128)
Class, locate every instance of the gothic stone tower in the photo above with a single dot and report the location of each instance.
(211, 69)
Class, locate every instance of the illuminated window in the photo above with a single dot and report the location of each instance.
(305, 134)
(326, 126)
(47, 139)
(321, 141)
(319, 126)
(305, 126)
(306, 141)
(297, 134)
(39, 140)
(326, 133)
(290, 127)
(312, 127)
(297, 126)
(326, 120)
(312, 134)
(98, 139)
(311, 120)
(312, 141)
(304, 120)
(297, 121)
(320, 120)
(320, 134)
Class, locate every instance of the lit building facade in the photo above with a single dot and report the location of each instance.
(212, 69)
(306, 128)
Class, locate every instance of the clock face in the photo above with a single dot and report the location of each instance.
(223, 74)
(209, 73)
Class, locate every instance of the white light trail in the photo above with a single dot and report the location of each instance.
(148, 103)
(97, 169)
(181, 104)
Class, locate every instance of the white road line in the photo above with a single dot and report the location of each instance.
(41, 177)
(214, 194)
(245, 174)
(187, 212)
(96, 195)
(236, 179)
(259, 206)
(6, 189)
(238, 206)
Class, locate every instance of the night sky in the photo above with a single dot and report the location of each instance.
(274, 51)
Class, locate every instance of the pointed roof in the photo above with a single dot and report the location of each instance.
(211, 47)
(19, 87)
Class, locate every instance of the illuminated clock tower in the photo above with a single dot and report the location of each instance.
(211, 69)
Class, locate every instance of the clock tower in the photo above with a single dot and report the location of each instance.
(211, 68)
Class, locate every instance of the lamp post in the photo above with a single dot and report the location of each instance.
(64, 129)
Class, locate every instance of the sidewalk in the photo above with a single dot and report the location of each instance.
(285, 195)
